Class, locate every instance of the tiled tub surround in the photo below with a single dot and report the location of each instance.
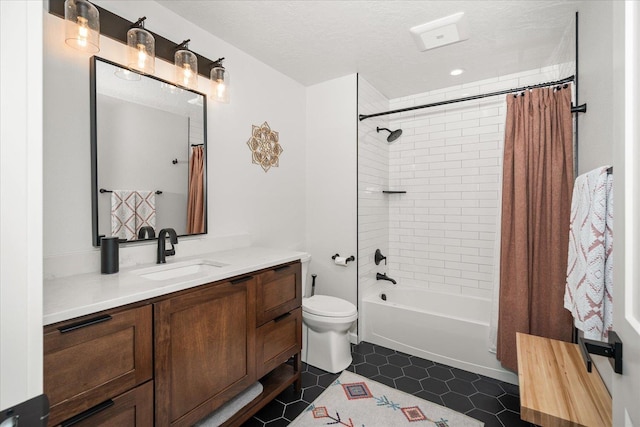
(493, 402)
(73, 296)
(442, 231)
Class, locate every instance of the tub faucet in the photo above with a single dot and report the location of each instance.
(380, 276)
(173, 239)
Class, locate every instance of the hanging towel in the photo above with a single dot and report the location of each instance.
(588, 292)
(145, 210)
(123, 214)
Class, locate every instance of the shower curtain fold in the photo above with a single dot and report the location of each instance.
(195, 202)
(536, 197)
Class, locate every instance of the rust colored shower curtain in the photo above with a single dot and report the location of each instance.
(195, 203)
(536, 207)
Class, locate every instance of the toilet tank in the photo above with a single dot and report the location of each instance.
(306, 284)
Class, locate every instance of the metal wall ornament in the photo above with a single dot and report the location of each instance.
(264, 146)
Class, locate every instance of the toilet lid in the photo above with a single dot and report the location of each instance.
(324, 305)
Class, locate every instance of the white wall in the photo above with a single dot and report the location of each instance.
(373, 178)
(331, 181)
(596, 83)
(20, 202)
(449, 159)
(242, 198)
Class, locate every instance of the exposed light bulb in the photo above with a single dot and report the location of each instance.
(220, 90)
(142, 56)
(83, 31)
(186, 73)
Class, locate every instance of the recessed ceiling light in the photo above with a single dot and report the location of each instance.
(456, 72)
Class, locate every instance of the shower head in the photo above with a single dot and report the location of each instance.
(393, 134)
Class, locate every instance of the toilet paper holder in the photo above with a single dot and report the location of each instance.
(351, 258)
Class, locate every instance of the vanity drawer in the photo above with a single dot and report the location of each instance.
(279, 291)
(278, 340)
(131, 409)
(90, 360)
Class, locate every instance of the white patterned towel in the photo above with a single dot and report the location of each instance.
(123, 214)
(589, 288)
(131, 210)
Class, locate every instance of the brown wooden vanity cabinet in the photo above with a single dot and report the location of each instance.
(90, 360)
(205, 342)
(181, 356)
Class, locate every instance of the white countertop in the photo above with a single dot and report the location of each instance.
(69, 297)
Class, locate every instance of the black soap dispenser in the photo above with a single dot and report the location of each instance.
(110, 255)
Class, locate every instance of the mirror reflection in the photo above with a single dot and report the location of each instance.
(148, 155)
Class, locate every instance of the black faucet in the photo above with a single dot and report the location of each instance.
(146, 232)
(380, 276)
(162, 252)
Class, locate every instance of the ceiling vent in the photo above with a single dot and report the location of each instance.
(441, 32)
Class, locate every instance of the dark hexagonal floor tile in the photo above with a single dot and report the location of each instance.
(399, 360)
(434, 385)
(289, 395)
(310, 394)
(357, 358)
(313, 370)
(363, 348)
(415, 372)
(253, 422)
(384, 351)
(408, 385)
(512, 419)
(282, 422)
(488, 419)
(510, 402)
(423, 363)
(487, 403)
(461, 386)
(457, 402)
(272, 411)
(367, 370)
(384, 380)
(464, 375)
(440, 373)
(431, 397)
(292, 410)
(390, 371)
(488, 388)
(375, 359)
(327, 379)
(309, 380)
(510, 388)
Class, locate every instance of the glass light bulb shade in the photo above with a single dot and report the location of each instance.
(186, 69)
(82, 25)
(220, 84)
(141, 50)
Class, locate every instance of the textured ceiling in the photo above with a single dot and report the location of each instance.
(315, 41)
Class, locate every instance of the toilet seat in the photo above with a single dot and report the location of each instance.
(328, 306)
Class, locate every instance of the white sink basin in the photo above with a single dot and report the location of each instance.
(200, 267)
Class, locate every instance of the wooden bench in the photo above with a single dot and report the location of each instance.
(555, 388)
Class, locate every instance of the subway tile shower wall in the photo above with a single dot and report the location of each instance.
(442, 231)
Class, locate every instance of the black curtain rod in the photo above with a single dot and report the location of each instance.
(579, 109)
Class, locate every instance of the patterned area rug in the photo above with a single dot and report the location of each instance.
(355, 401)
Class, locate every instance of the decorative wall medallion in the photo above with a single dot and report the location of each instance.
(264, 146)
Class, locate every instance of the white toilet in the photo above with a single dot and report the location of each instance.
(326, 322)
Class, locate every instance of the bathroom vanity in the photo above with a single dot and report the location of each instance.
(182, 349)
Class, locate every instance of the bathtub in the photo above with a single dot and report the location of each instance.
(446, 328)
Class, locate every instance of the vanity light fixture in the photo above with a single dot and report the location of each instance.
(220, 90)
(186, 66)
(142, 48)
(82, 25)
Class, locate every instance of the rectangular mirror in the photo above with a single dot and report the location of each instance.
(148, 155)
